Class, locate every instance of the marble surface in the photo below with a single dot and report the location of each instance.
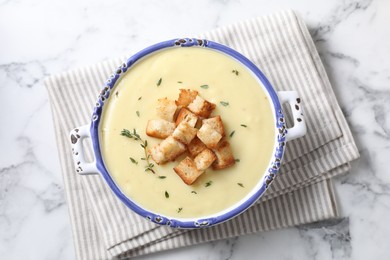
(43, 37)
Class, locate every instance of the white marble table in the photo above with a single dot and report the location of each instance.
(39, 38)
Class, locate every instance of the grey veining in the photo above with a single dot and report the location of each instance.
(44, 37)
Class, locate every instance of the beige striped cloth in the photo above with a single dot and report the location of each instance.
(282, 48)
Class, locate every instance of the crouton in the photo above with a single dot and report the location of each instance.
(168, 150)
(196, 147)
(216, 124)
(224, 155)
(209, 136)
(184, 132)
(201, 107)
(166, 109)
(159, 128)
(204, 159)
(187, 116)
(186, 96)
(187, 171)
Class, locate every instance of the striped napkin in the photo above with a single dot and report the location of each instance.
(280, 45)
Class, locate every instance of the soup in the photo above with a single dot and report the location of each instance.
(240, 101)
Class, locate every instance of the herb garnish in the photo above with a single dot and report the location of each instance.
(205, 86)
(180, 82)
(224, 103)
(134, 135)
(243, 125)
(194, 192)
(162, 177)
(140, 98)
(240, 184)
(235, 72)
(133, 160)
(137, 112)
(208, 183)
(166, 194)
(149, 168)
(237, 160)
(232, 133)
(159, 82)
(179, 209)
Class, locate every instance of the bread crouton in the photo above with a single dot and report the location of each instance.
(204, 159)
(168, 150)
(196, 147)
(216, 124)
(166, 109)
(186, 96)
(187, 116)
(201, 107)
(187, 171)
(224, 155)
(184, 132)
(209, 136)
(159, 128)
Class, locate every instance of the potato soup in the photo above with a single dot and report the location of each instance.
(240, 101)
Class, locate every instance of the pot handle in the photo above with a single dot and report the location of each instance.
(293, 99)
(77, 136)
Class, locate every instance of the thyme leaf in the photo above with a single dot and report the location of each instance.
(179, 209)
(137, 112)
(205, 86)
(232, 133)
(224, 103)
(244, 125)
(237, 160)
(159, 82)
(162, 177)
(235, 72)
(194, 192)
(133, 160)
(139, 98)
(208, 183)
(166, 194)
(240, 184)
(180, 82)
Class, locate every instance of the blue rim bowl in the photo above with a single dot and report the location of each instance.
(233, 211)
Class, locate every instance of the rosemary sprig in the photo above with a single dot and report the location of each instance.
(159, 82)
(144, 144)
(166, 194)
(205, 86)
(232, 133)
(224, 103)
(240, 184)
(208, 183)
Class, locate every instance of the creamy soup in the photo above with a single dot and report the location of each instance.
(246, 114)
